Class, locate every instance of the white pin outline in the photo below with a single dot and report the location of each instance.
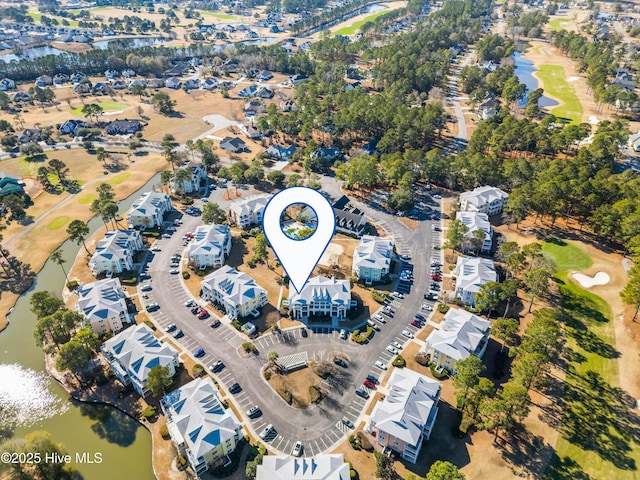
(280, 201)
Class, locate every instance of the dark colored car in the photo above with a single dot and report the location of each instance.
(339, 361)
(195, 310)
(421, 318)
(369, 384)
(361, 392)
(235, 388)
(304, 333)
(199, 353)
(217, 366)
(215, 324)
(178, 334)
(416, 324)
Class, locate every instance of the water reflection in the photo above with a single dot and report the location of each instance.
(25, 398)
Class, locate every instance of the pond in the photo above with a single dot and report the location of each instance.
(31, 54)
(524, 72)
(37, 402)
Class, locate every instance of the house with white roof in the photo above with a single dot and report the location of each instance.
(197, 173)
(476, 221)
(461, 334)
(236, 291)
(248, 212)
(134, 352)
(489, 200)
(406, 416)
(203, 431)
(321, 467)
(148, 211)
(372, 258)
(114, 253)
(471, 273)
(211, 246)
(103, 304)
(634, 142)
(321, 296)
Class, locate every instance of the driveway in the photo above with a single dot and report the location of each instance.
(318, 427)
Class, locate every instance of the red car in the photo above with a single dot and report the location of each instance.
(203, 314)
(416, 324)
(369, 384)
(437, 278)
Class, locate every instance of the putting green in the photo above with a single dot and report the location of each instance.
(554, 82)
(556, 24)
(222, 16)
(106, 106)
(58, 222)
(350, 30)
(88, 198)
(118, 179)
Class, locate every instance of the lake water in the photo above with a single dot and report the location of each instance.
(524, 72)
(39, 403)
(115, 44)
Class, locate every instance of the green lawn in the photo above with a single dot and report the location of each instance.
(556, 24)
(106, 106)
(597, 424)
(222, 16)
(38, 16)
(357, 25)
(58, 222)
(88, 198)
(554, 82)
(118, 179)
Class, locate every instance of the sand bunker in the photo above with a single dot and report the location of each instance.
(331, 255)
(593, 120)
(600, 278)
(573, 79)
(113, 112)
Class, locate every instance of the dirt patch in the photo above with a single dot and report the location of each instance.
(409, 222)
(297, 383)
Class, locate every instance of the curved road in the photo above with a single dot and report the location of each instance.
(318, 427)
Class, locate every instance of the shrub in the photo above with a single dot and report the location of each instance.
(441, 375)
(236, 324)
(249, 347)
(251, 263)
(150, 324)
(164, 431)
(187, 200)
(378, 296)
(267, 375)
(362, 337)
(72, 285)
(262, 450)
(186, 275)
(399, 362)
(101, 379)
(149, 412)
(442, 308)
(316, 394)
(197, 370)
(355, 442)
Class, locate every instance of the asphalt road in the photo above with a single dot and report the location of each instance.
(318, 427)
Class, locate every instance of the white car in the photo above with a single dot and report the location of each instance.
(381, 365)
(266, 432)
(379, 318)
(405, 257)
(392, 350)
(188, 303)
(396, 344)
(343, 334)
(174, 271)
(426, 307)
(397, 294)
(437, 196)
(297, 449)
(407, 333)
(155, 248)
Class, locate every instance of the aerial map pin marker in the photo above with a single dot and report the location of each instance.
(298, 257)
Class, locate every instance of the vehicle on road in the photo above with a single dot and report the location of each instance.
(254, 412)
(235, 388)
(217, 366)
(266, 432)
(146, 288)
(178, 334)
(381, 365)
(199, 353)
(343, 334)
(407, 333)
(392, 350)
(361, 392)
(297, 449)
(171, 327)
(339, 361)
(347, 422)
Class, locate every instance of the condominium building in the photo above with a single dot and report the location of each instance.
(103, 304)
(236, 291)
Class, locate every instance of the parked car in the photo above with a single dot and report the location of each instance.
(407, 333)
(416, 324)
(381, 365)
(421, 318)
(174, 271)
(396, 344)
(373, 325)
(304, 332)
(339, 361)
(392, 350)
(266, 432)
(379, 318)
(347, 422)
(152, 307)
(369, 384)
(215, 324)
(405, 257)
(437, 278)
(178, 334)
(254, 412)
(361, 392)
(343, 334)
(297, 449)
(397, 294)
(426, 307)
(196, 310)
(171, 327)
(217, 366)
(189, 302)
(437, 196)
(235, 388)
(146, 288)
(199, 353)
(203, 314)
